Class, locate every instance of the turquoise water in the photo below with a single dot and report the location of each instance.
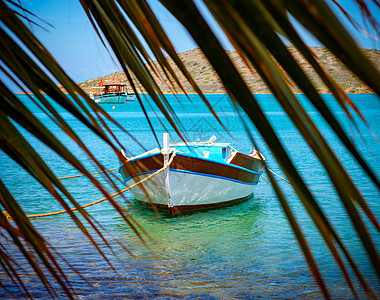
(237, 252)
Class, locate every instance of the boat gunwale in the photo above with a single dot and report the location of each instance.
(177, 144)
(200, 158)
(200, 144)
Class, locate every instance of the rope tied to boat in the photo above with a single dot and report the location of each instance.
(76, 176)
(265, 179)
(279, 176)
(7, 215)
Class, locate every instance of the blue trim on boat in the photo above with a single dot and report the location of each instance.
(214, 176)
(195, 173)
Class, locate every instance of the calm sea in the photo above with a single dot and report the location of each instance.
(242, 251)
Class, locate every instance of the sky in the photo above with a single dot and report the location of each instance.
(74, 44)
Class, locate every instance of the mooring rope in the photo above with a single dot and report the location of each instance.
(101, 200)
(68, 177)
(279, 176)
(76, 176)
(265, 179)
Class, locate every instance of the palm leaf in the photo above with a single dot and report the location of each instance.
(317, 215)
(186, 13)
(253, 27)
(325, 26)
(23, 70)
(266, 31)
(306, 127)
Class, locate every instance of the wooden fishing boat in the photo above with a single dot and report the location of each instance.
(111, 93)
(197, 175)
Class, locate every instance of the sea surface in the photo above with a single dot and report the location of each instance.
(243, 251)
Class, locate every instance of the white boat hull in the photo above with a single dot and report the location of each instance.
(187, 191)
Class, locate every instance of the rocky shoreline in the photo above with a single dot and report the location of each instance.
(209, 82)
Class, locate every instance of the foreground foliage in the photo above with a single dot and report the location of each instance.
(255, 29)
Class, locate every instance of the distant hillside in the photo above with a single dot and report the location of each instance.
(207, 80)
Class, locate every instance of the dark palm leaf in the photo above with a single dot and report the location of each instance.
(253, 27)
(22, 69)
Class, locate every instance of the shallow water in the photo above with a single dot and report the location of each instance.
(242, 251)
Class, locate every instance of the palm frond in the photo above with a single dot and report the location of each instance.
(255, 29)
(21, 68)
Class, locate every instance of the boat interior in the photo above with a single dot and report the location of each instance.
(219, 152)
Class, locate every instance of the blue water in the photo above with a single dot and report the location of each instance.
(236, 252)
